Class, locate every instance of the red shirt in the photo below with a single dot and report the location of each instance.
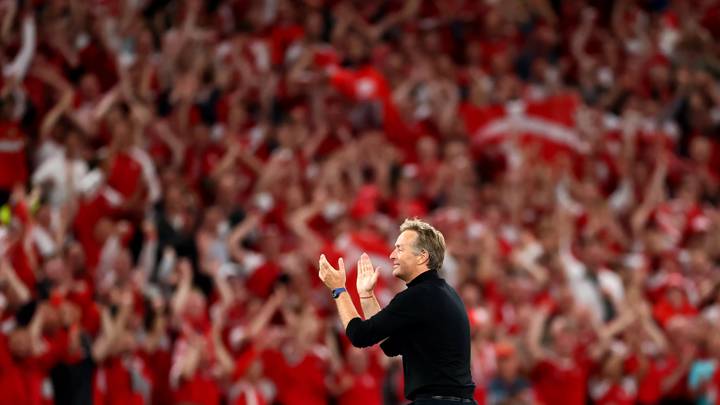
(21, 260)
(13, 164)
(615, 394)
(262, 279)
(281, 37)
(21, 381)
(649, 383)
(559, 383)
(249, 395)
(301, 383)
(125, 174)
(158, 365)
(365, 83)
(201, 160)
(667, 366)
(90, 211)
(118, 383)
(664, 311)
(200, 389)
(13, 388)
(366, 389)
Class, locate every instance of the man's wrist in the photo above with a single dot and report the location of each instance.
(337, 291)
(369, 294)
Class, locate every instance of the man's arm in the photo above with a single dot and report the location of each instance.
(370, 305)
(334, 279)
(346, 309)
(400, 315)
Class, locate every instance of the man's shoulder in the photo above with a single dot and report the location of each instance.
(408, 295)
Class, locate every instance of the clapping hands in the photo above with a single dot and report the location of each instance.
(367, 276)
(331, 277)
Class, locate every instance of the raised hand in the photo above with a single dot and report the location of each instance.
(331, 277)
(366, 276)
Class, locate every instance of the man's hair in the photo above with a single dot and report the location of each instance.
(428, 239)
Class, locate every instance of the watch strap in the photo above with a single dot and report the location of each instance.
(337, 291)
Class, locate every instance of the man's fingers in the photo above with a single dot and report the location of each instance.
(361, 264)
(366, 263)
(323, 262)
(322, 267)
(341, 264)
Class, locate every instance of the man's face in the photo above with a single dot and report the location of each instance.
(508, 367)
(404, 257)
(19, 343)
(55, 269)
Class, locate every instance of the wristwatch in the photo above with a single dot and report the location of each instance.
(337, 291)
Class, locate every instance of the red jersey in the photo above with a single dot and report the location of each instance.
(300, 382)
(25, 381)
(648, 390)
(125, 174)
(245, 393)
(366, 389)
(619, 393)
(559, 382)
(200, 389)
(116, 378)
(13, 163)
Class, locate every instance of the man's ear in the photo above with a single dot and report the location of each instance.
(423, 257)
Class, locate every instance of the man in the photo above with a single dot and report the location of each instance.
(426, 323)
(508, 387)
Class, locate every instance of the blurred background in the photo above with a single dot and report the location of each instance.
(170, 172)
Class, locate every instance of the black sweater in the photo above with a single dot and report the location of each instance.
(427, 324)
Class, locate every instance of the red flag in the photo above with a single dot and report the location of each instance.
(549, 121)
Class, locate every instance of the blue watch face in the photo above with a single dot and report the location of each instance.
(336, 292)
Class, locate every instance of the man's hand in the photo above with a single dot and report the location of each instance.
(366, 277)
(330, 276)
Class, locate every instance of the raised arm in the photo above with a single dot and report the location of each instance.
(534, 336)
(608, 331)
(213, 269)
(148, 254)
(8, 18)
(224, 359)
(184, 287)
(263, 317)
(19, 66)
(239, 232)
(17, 288)
(653, 196)
(298, 223)
(111, 328)
(171, 139)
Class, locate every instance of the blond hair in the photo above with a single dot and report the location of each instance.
(428, 239)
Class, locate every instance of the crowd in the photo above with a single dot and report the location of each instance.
(170, 172)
